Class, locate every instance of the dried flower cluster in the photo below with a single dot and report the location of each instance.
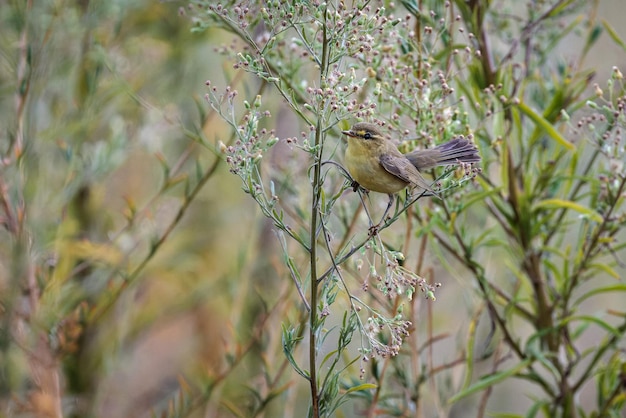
(352, 63)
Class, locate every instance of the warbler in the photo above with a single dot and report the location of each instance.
(376, 164)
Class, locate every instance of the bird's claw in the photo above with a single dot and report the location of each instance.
(373, 230)
(357, 187)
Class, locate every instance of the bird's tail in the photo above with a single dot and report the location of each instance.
(458, 150)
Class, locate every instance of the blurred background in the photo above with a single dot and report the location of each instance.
(104, 131)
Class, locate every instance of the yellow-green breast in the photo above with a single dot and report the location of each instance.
(363, 164)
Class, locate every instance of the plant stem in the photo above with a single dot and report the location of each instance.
(317, 189)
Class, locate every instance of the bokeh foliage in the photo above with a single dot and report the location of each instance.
(137, 278)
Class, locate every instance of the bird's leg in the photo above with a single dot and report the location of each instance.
(389, 205)
(367, 212)
(361, 191)
(374, 229)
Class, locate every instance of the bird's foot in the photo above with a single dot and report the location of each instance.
(356, 186)
(373, 230)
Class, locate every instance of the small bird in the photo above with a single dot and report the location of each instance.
(376, 164)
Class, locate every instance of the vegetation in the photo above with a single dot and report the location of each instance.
(137, 279)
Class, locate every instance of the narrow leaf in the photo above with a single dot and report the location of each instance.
(566, 204)
(364, 386)
(613, 34)
(600, 290)
(606, 269)
(489, 381)
(593, 319)
(541, 122)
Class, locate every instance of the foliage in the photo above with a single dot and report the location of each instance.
(92, 285)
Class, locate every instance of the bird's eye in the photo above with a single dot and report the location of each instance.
(367, 135)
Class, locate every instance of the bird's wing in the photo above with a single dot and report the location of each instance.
(399, 166)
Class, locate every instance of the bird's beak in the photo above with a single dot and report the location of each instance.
(348, 133)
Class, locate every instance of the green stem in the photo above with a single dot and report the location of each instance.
(315, 212)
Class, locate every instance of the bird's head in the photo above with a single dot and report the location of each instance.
(365, 131)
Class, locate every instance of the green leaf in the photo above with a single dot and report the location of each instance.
(606, 269)
(532, 347)
(490, 380)
(613, 34)
(541, 122)
(566, 204)
(606, 289)
(364, 386)
(328, 357)
(481, 196)
(594, 320)
(540, 405)
(290, 339)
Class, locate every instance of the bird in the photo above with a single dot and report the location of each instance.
(376, 164)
